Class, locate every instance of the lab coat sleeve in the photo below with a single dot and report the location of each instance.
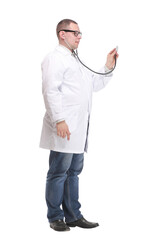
(100, 81)
(52, 77)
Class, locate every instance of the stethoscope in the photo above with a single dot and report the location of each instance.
(75, 53)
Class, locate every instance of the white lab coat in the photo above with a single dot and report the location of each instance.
(67, 89)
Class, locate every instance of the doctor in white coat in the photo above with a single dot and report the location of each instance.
(67, 88)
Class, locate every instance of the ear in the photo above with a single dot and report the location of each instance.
(61, 34)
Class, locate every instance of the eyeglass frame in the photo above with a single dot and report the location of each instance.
(75, 32)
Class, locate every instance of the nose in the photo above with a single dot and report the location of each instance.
(79, 36)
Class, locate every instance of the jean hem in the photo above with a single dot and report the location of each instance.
(73, 219)
(54, 219)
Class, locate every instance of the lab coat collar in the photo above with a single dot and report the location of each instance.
(63, 50)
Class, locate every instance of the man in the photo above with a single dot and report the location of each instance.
(67, 89)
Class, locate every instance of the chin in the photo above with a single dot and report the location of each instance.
(76, 45)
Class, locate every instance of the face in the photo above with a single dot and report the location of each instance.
(71, 38)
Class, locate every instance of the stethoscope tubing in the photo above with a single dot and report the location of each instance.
(106, 73)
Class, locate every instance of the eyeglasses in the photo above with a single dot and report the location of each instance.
(76, 33)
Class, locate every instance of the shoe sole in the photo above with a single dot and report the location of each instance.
(70, 225)
(60, 230)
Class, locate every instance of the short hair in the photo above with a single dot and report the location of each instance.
(63, 24)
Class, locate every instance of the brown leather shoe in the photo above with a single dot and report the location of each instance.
(59, 225)
(82, 223)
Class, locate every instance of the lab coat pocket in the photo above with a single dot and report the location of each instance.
(72, 115)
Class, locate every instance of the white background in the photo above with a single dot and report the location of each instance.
(120, 183)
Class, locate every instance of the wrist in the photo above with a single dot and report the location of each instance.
(60, 121)
(107, 68)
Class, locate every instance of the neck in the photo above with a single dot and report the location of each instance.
(65, 44)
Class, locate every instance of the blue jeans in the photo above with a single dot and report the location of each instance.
(62, 186)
